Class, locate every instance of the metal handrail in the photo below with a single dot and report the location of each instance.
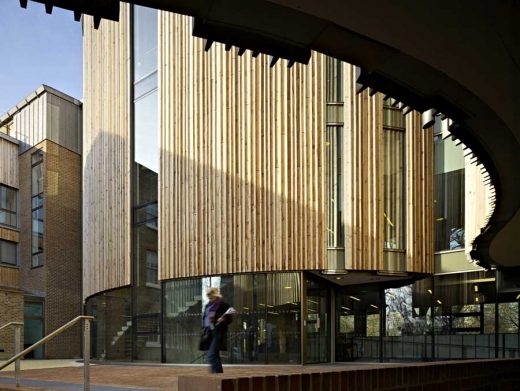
(55, 333)
(11, 324)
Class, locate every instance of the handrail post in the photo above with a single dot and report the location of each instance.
(86, 355)
(17, 349)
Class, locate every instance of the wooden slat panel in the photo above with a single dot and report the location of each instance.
(106, 155)
(9, 277)
(363, 184)
(238, 193)
(419, 185)
(9, 234)
(8, 163)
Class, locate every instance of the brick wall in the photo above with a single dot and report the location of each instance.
(475, 375)
(59, 279)
(32, 280)
(63, 247)
(11, 305)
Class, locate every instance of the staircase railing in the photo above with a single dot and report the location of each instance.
(17, 343)
(55, 333)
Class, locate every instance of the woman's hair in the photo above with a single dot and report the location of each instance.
(214, 292)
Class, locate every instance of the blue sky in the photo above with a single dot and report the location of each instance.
(35, 49)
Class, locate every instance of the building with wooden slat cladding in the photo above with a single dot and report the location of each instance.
(322, 213)
(40, 221)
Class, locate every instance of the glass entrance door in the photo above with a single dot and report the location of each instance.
(317, 323)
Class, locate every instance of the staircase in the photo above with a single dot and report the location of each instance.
(123, 332)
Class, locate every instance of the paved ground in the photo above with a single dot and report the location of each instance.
(136, 377)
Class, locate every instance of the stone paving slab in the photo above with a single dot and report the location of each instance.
(44, 385)
(159, 377)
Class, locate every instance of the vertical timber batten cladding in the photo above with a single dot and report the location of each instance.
(8, 162)
(419, 196)
(241, 176)
(9, 277)
(107, 155)
(363, 185)
(242, 184)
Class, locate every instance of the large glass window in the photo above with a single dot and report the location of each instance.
(37, 208)
(8, 206)
(266, 328)
(448, 195)
(112, 326)
(334, 155)
(8, 253)
(393, 178)
(409, 322)
(464, 326)
(146, 108)
(358, 320)
(146, 289)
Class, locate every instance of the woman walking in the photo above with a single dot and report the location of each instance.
(217, 316)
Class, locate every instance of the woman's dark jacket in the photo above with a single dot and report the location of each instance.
(220, 331)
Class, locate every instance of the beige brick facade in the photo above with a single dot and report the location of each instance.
(11, 304)
(58, 281)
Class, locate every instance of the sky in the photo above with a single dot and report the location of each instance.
(37, 48)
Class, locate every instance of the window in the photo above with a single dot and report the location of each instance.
(334, 75)
(449, 202)
(8, 253)
(37, 209)
(151, 267)
(146, 113)
(334, 153)
(334, 159)
(393, 178)
(8, 206)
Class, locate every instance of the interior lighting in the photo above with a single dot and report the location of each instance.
(355, 298)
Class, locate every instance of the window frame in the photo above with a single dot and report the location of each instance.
(391, 128)
(16, 254)
(8, 211)
(39, 255)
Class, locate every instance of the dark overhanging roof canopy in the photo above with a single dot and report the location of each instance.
(460, 58)
(99, 9)
(212, 30)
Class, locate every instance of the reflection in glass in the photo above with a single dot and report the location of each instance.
(112, 326)
(8, 206)
(334, 161)
(449, 200)
(357, 323)
(146, 108)
(393, 190)
(145, 41)
(408, 322)
(8, 252)
(265, 329)
(393, 178)
(334, 80)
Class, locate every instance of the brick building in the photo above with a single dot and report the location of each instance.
(40, 220)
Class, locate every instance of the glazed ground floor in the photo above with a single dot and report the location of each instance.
(305, 317)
